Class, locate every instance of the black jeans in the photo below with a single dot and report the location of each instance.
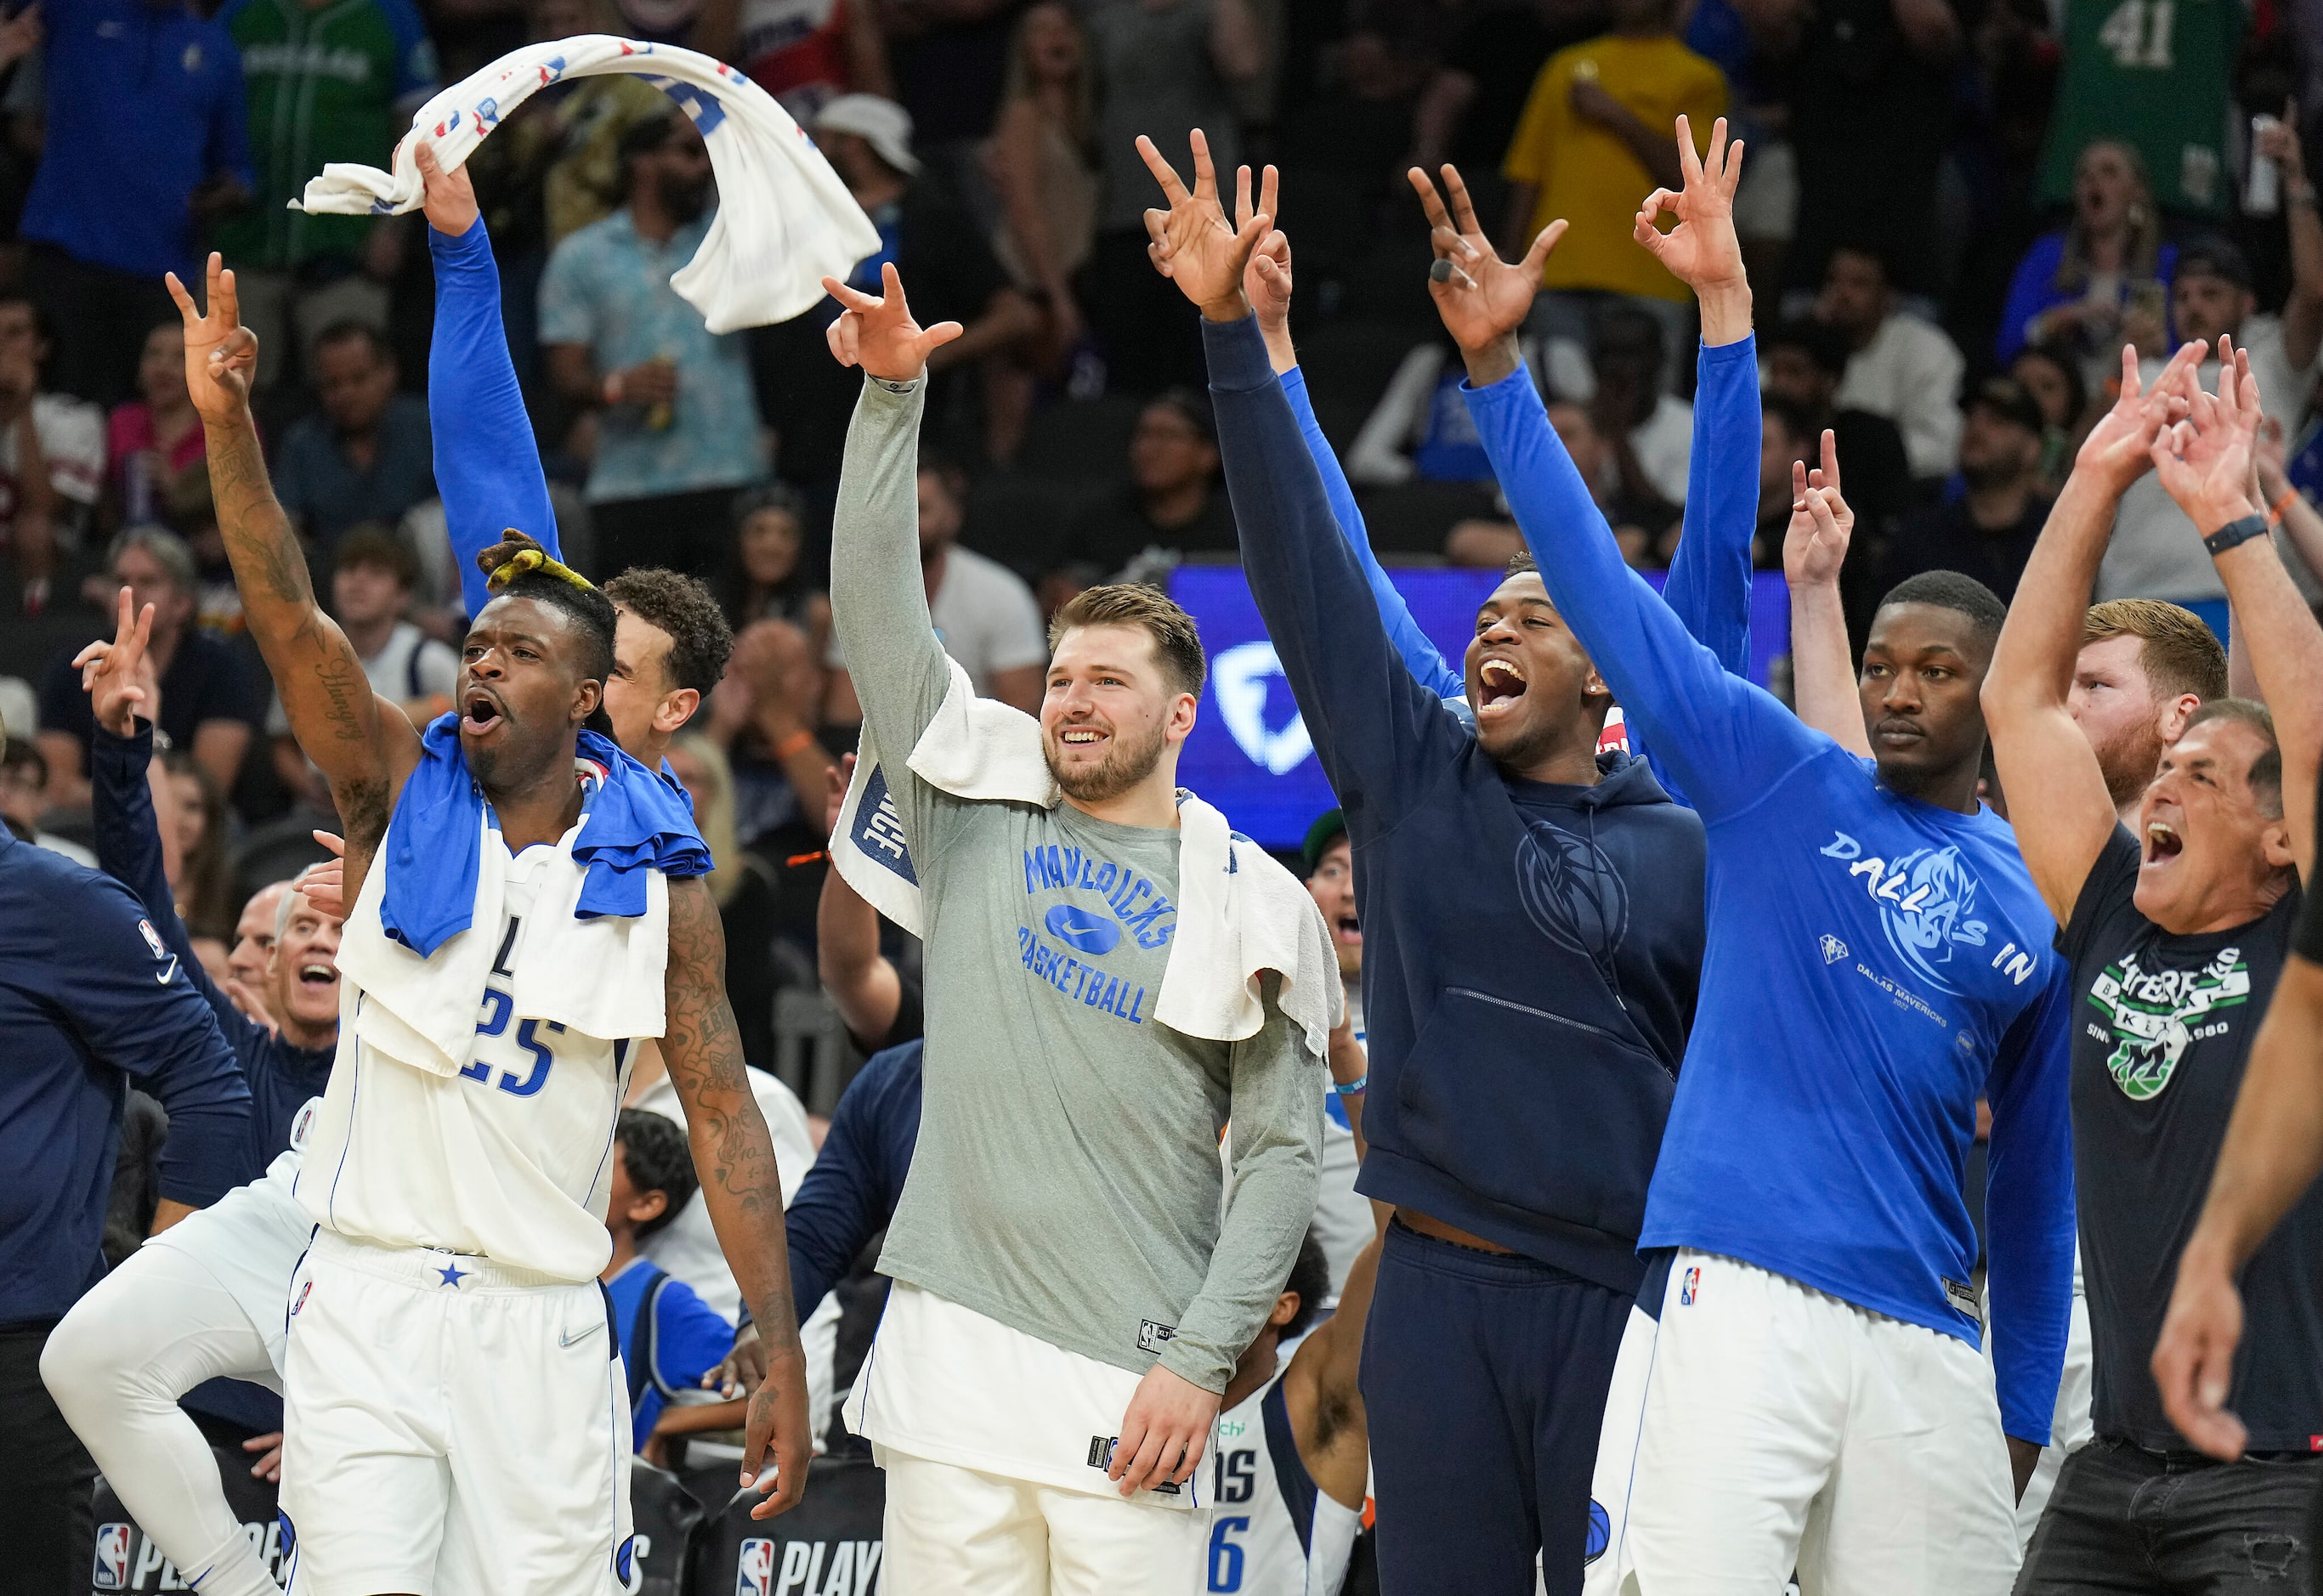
(2126, 1520)
(46, 1477)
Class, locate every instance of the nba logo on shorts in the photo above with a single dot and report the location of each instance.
(1688, 1288)
(111, 1572)
(304, 1288)
(755, 1575)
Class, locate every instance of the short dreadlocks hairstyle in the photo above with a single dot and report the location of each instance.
(700, 640)
(1310, 1277)
(590, 611)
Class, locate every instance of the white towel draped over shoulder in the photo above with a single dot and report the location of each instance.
(1239, 914)
(784, 220)
(601, 976)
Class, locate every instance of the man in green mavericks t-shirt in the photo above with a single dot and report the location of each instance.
(326, 80)
(1069, 1299)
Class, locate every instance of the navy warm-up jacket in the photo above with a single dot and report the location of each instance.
(90, 999)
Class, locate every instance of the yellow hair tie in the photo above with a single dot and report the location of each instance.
(536, 559)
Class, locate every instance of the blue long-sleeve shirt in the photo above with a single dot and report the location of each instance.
(1874, 964)
(91, 999)
(1709, 585)
(280, 1077)
(487, 463)
(1530, 950)
(850, 1194)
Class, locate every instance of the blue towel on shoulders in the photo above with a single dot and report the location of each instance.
(635, 821)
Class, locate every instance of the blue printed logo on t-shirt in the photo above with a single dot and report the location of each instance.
(1925, 899)
(1074, 932)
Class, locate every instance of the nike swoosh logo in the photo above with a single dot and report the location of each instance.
(578, 1335)
(163, 979)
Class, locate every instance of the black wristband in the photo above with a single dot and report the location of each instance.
(2234, 533)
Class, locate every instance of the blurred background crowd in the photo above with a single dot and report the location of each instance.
(1956, 211)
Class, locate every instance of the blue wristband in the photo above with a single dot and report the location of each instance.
(1353, 1087)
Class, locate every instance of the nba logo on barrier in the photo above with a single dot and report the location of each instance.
(1689, 1287)
(754, 1575)
(111, 1572)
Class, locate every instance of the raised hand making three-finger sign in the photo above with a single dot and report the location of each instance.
(221, 353)
(1702, 251)
(1482, 298)
(876, 332)
(1194, 244)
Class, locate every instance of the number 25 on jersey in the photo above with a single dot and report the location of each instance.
(498, 1006)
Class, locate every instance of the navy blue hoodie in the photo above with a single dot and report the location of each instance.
(1530, 952)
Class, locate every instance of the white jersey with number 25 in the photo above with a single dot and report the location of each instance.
(509, 1158)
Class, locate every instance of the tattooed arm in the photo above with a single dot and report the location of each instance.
(363, 745)
(735, 1157)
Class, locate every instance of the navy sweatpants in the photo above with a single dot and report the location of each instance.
(1484, 1381)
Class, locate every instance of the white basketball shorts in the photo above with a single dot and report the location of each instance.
(454, 1426)
(1760, 1427)
(950, 1531)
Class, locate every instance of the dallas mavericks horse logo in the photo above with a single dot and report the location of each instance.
(1943, 895)
(1926, 899)
(1571, 890)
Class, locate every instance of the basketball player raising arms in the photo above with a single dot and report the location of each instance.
(525, 901)
(1800, 1388)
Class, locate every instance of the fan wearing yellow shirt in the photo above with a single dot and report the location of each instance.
(1593, 142)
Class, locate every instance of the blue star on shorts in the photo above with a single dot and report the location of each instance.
(453, 1274)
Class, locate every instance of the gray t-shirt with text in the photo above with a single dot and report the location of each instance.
(1067, 1181)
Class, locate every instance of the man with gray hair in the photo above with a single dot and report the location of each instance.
(205, 697)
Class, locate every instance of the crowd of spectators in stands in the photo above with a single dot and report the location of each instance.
(1957, 209)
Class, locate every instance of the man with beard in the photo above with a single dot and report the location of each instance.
(504, 959)
(1799, 1387)
(1069, 1300)
(2178, 934)
(1533, 937)
(203, 1299)
(677, 425)
(2143, 667)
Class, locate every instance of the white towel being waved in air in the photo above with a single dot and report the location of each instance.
(785, 221)
(1239, 913)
